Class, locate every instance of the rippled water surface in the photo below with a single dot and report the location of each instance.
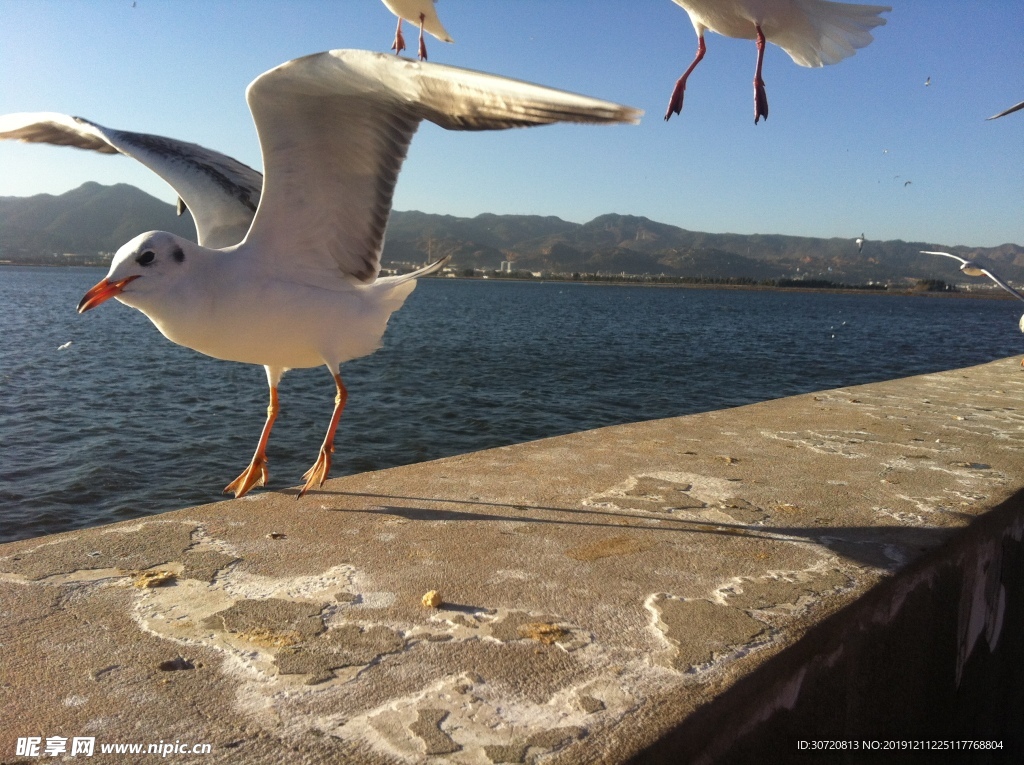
(122, 423)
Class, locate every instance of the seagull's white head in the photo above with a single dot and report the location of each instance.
(148, 264)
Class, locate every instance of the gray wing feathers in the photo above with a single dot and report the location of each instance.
(56, 129)
(466, 100)
(332, 165)
(221, 193)
(1011, 110)
(334, 130)
(1002, 284)
(946, 254)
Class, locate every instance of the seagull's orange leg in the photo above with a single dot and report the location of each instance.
(399, 44)
(675, 104)
(317, 474)
(256, 474)
(760, 96)
(423, 45)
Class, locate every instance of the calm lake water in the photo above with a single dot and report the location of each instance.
(121, 423)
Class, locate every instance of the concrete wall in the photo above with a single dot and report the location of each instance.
(920, 666)
(717, 588)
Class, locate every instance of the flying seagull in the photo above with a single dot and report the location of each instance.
(285, 273)
(1011, 110)
(860, 242)
(812, 32)
(972, 268)
(420, 13)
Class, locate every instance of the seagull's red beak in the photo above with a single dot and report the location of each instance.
(102, 292)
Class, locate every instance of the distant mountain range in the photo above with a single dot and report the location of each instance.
(86, 222)
(89, 223)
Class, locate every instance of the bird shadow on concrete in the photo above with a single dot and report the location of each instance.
(886, 547)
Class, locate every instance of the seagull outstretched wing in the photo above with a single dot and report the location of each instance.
(1011, 110)
(972, 268)
(221, 193)
(334, 129)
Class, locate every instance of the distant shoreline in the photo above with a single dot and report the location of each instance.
(996, 294)
(971, 295)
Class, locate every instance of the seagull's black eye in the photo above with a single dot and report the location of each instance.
(146, 258)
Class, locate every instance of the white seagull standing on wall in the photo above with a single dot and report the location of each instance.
(285, 273)
(812, 32)
(421, 13)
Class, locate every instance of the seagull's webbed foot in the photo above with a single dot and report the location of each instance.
(675, 104)
(760, 96)
(760, 101)
(257, 474)
(399, 44)
(254, 475)
(317, 474)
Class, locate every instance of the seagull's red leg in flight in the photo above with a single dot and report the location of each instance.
(760, 97)
(675, 104)
(317, 474)
(256, 474)
(399, 44)
(423, 45)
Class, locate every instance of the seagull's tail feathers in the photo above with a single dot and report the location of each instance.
(432, 25)
(412, 276)
(411, 12)
(397, 288)
(828, 32)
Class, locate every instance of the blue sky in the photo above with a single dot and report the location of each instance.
(832, 160)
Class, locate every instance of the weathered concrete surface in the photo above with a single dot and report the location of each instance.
(708, 588)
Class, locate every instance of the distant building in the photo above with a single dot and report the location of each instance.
(506, 267)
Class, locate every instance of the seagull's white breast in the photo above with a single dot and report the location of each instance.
(812, 32)
(731, 18)
(231, 312)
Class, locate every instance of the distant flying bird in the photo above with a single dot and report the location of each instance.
(299, 287)
(422, 14)
(928, 81)
(812, 32)
(906, 183)
(860, 242)
(973, 268)
(1011, 110)
(65, 346)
